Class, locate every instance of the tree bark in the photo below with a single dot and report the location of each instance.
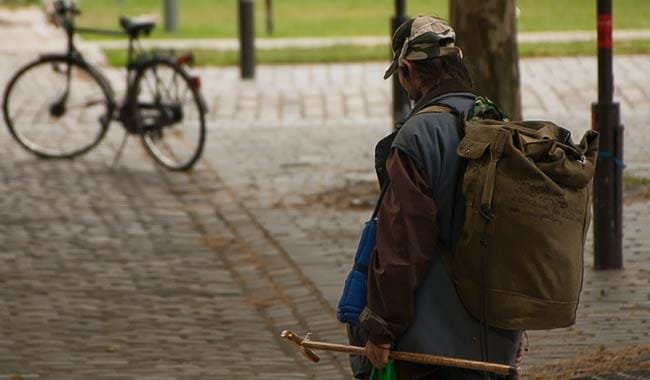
(486, 31)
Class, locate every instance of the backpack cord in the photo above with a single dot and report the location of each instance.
(487, 214)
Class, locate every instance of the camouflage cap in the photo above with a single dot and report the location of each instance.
(421, 38)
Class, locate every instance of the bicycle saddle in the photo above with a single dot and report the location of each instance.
(133, 26)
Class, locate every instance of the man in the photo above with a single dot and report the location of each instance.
(412, 304)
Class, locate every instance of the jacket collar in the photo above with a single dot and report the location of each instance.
(446, 88)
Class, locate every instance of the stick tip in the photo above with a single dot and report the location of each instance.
(515, 372)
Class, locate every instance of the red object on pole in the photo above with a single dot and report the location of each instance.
(605, 31)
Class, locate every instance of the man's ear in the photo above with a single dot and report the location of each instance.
(407, 67)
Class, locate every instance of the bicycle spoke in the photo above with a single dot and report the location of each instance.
(34, 122)
(63, 138)
(188, 95)
(185, 92)
(161, 82)
(166, 89)
(189, 101)
(176, 85)
(171, 86)
(153, 93)
(86, 104)
(19, 109)
(37, 113)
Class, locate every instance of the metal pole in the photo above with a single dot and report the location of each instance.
(171, 16)
(246, 39)
(401, 102)
(608, 184)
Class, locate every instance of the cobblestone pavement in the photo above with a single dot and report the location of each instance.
(134, 272)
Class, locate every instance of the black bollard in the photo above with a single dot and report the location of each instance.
(608, 183)
(246, 39)
(401, 102)
(171, 16)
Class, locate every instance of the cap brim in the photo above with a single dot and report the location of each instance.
(391, 70)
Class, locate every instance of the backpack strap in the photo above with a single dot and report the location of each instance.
(436, 108)
(447, 252)
(460, 127)
(445, 108)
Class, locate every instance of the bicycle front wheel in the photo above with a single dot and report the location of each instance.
(170, 114)
(56, 107)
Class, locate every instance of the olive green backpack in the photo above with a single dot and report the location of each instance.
(519, 261)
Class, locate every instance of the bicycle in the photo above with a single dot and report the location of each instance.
(51, 104)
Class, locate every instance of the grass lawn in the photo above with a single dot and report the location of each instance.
(634, 181)
(348, 53)
(299, 18)
(582, 48)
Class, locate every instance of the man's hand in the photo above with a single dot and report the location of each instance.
(378, 354)
(523, 347)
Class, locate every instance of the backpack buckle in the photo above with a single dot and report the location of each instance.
(486, 212)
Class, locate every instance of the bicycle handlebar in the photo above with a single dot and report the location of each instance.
(62, 12)
(64, 7)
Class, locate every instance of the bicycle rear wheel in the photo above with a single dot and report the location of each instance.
(170, 114)
(56, 107)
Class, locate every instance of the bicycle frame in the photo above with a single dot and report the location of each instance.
(133, 65)
(72, 51)
(137, 61)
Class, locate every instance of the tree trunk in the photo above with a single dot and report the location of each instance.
(486, 30)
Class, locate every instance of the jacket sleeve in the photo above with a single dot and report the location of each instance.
(407, 233)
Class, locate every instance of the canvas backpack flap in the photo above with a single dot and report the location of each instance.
(572, 166)
(551, 148)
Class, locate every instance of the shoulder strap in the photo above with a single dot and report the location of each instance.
(444, 108)
(435, 108)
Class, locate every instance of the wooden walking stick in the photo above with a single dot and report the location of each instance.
(305, 346)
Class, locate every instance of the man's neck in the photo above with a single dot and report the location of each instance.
(444, 87)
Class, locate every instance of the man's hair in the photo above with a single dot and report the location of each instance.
(435, 70)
